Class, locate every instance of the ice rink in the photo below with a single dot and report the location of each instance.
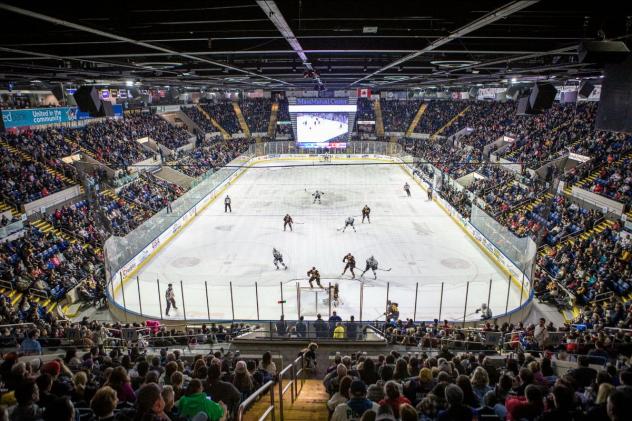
(413, 236)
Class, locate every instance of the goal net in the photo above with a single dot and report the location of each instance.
(312, 301)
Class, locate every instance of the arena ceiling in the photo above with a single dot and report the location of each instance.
(298, 44)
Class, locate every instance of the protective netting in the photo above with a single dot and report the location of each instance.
(121, 250)
(520, 251)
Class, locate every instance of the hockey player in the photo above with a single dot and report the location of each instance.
(366, 213)
(407, 189)
(349, 223)
(170, 298)
(429, 192)
(317, 194)
(314, 275)
(350, 264)
(278, 258)
(287, 221)
(371, 263)
(227, 207)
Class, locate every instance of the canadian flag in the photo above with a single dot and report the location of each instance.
(364, 93)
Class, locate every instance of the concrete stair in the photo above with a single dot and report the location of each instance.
(6, 207)
(586, 181)
(174, 176)
(416, 119)
(27, 157)
(273, 119)
(311, 404)
(529, 206)
(214, 122)
(449, 123)
(597, 229)
(241, 119)
(379, 122)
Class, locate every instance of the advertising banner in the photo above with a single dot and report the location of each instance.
(43, 116)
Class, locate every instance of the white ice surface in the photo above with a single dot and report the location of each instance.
(413, 236)
(318, 129)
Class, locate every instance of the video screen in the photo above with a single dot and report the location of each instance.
(322, 122)
(320, 129)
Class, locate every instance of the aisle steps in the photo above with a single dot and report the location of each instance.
(26, 157)
(311, 404)
(416, 119)
(452, 120)
(214, 122)
(379, 122)
(241, 119)
(6, 207)
(273, 119)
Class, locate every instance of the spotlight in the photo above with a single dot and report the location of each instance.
(364, 69)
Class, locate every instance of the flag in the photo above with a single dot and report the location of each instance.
(364, 93)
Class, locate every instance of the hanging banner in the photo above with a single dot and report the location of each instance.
(43, 116)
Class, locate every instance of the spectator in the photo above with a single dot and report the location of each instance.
(342, 395)
(103, 404)
(527, 407)
(456, 409)
(196, 401)
(30, 345)
(26, 395)
(393, 397)
(150, 406)
(221, 391)
(356, 406)
(119, 381)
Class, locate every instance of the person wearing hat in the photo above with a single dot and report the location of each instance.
(357, 404)
(170, 297)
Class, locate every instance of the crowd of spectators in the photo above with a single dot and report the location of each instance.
(614, 181)
(538, 138)
(81, 221)
(151, 192)
(121, 215)
(224, 114)
(591, 266)
(153, 126)
(438, 114)
(209, 155)
(23, 181)
(365, 112)
(200, 119)
(46, 262)
(495, 175)
(397, 114)
(109, 142)
(469, 385)
(256, 111)
(552, 219)
(506, 197)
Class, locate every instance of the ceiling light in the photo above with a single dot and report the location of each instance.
(514, 80)
(364, 69)
(129, 83)
(476, 71)
(400, 68)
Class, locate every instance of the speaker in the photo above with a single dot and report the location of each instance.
(542, 96)
(523, 106)
(568, 96)
(514, 91)
(586, 89)
(88, 101)
(106, 109)
(602, 51)
(472, 93)
(615, 104)
(134, 92)
(58, 91)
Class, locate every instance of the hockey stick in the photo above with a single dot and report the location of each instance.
(385, 270)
